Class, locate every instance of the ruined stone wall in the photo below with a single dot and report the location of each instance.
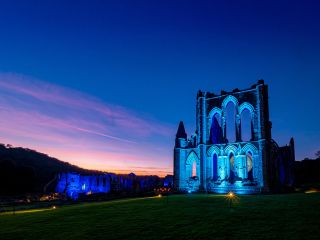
(241, 166)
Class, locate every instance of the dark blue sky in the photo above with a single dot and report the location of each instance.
(153, 56)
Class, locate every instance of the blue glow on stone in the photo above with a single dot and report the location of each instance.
(223, 165)
(73, 184)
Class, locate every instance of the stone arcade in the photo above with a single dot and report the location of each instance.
(209, 161)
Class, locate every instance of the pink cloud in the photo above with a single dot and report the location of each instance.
(49, 93)
(81, 129)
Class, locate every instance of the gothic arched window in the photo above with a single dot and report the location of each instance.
(231, 122)
(249, 166)
(194, 169)
(216, 131)
(246, 125)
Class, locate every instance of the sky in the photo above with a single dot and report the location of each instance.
(104, 84)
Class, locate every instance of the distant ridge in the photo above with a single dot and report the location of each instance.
(23, 170)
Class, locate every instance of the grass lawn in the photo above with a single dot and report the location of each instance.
(194, 216)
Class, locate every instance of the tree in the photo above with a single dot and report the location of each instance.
(318, 154)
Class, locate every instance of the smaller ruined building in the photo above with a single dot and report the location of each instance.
(75, 185)
(213, 161)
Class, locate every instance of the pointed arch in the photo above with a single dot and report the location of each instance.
(214, 124)
(192, 157)
(192, 165)
(213, 112)
(230, 148)
(230, 118)
(228, 99)
(246, 125)
(250, 147)
(213, 149)
(244, 106)
(246, 112)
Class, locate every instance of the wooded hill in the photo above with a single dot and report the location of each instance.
(24, 170)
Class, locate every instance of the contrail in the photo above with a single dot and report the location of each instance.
(101, 134)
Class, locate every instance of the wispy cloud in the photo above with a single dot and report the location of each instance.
(80, 128)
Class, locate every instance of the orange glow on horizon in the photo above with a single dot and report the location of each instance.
(82, 130)
(115, 163)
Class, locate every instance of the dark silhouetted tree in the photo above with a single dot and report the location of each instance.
(7, 176)
(25, 171)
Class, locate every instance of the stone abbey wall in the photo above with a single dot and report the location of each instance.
(209, 161)
(75, 185)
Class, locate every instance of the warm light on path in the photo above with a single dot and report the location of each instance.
(83, 205)
(27, 211)
(231, 198)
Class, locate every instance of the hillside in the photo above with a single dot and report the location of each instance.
(307, 172)
(28, 171)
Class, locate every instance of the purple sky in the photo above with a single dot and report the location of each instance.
(81, 129)
(104, 84)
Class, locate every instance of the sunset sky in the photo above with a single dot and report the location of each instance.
(104, 84)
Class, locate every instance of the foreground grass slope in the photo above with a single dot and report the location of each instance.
(292, 216)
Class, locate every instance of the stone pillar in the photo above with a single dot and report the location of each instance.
(177, 169)
(252, 128)
(203, 156)
(224, 127)
(198, 120)
(238, 128)
(203, 114)
(203, 167)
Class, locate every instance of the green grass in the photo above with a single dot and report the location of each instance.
(290, 216)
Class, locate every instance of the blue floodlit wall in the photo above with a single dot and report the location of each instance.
(168, 181)
(74, 184)
(244, 167)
